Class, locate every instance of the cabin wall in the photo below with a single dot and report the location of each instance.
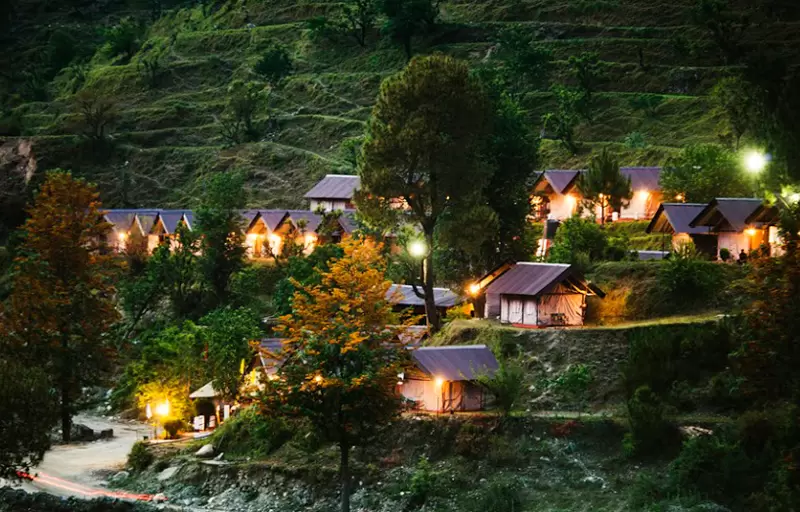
(561, 302)
(456, 395)
(642, 205)
(734, 242)
(423, 392)
(562, 206)
(328, 205)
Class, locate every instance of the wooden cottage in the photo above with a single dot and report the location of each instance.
(333, 192)
(123, 234)
(165, 225)
(674, 221)
(444, 379)
(740, 224)
(539, 295)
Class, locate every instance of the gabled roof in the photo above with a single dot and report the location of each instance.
(312, 220)
(764, 215)
(170, 219)
(145, 220)
(403, 294)
(348, 221)
(727, 213)
(560, 180)
(643, 178)
(534, 279)
(206, 391)
(456, 363)
(271, 218)
(676, 218)
(121, 219)
(335, 186)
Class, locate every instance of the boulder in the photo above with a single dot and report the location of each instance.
(106, 434)
(168, 473)
(206, 452)
(81, 433)
(119, 477)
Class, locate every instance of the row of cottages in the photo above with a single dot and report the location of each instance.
(266, 231)
(527, 294)
(557, 196)
(735, 224)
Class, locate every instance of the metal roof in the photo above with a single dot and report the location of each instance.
(123, 219)
(335, 186)
(727, 213)
(403, 294)
(533, 279)
(652, 255)
(677, 218)
(456, 363)
(170, 219)
(643, 178)
(561, 179)
(311, 219)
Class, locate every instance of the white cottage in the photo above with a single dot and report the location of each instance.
(539, 295)
(334, 192)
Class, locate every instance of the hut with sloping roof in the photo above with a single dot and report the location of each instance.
(261, 241)
(166, 225)
(444, 379)
(736, 224)
(674, 219)
(646, 192)
(333, 192)
(403, 297)
(540, 295)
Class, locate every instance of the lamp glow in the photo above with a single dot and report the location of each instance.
(318, 379)
(439, 382)
(750, 231)
(679, 197)
(122, 237)
(148, 412)
(162, 409)
(794, 198)
(755, 161)
(475, 288)
(644, 194)
(417, 249)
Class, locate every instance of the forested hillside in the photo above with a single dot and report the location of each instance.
(145, 96)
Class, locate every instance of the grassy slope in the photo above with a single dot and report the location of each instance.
(167, 136)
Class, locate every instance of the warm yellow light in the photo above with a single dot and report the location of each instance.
(162, 409)
(475, 288)
(274, 243)
(679, 197)
(318, 379)
(439, 382)
(148, 411)
(310, 240)
(417, 249)
(794, 198)
(755, 161)
(750, 231)
(272, 376)
(644, 194)
(123, 237)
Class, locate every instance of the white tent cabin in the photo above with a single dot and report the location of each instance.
(444, 379)
(539, 295)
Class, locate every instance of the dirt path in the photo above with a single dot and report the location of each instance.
(79, 469)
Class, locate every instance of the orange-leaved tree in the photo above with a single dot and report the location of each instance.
(342, 354)
(61, 303)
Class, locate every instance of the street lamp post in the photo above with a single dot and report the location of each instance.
(418, 250)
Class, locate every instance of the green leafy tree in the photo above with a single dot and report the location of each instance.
(506, 385)
(423, 144)
(702, 172)
(62, 305)
(589, 71)
(97, 113)
(304, 270)
(725, 25)
(124, 39)
(341, 359)
(219, 225)
(30, 411)
(406, 19)
(733, 98)
(228, 333)
(244, 101)
(275, 64)
(359, 18)
(526, 63)
(603, 185)
(560, 125)
(182, 278)
(579, 241)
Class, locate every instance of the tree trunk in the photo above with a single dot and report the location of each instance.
(66, 370)
(431, 312)
(344, 474)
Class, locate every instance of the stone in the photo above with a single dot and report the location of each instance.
(81, 433)
(219, 457)
(205, 452)
(106, 434)
(168, 473)
(159, 498)
(119, 477)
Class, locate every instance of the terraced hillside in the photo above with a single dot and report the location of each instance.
(168, 132)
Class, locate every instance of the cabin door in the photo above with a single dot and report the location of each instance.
(515, 311)
(529, 313)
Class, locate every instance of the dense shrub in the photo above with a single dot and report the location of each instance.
(506, 386)
(275, 63)
(499, 495)
(173, 427)
(650, 433)
(579, 241)
(251, 433)
(123, 39)
(423, 483)
(140, 457)
(689, 281)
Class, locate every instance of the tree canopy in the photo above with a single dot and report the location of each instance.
(702, 172)
(603, 184)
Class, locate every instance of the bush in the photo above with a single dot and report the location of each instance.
(140, 457)
(725, 254)
(123, 39)
(274, 64)
(649, 431)
(251, 433)
(423, 483)
(472, 440)
(173, 427)
(506, 385)
(578, 240)
(689, 281)
(499, 495)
